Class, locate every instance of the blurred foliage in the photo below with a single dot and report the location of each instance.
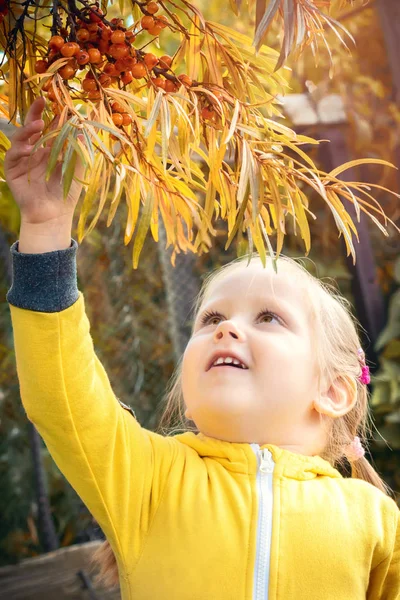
(128, 309)
(386, 383)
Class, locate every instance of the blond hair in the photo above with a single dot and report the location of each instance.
(337, 344)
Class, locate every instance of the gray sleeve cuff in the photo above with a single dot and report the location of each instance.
(44, 282)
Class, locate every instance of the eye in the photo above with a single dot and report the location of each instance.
(210, 316)
(268, 314)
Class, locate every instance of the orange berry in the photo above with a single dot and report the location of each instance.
(92, 27)
(150, 60)
(93, 37)
(139, 70)
(117, 22)
(46, 86)
(127, 119)
(52, 54)
(51, 94)
(110, 69)
(55, 108)
(117, 107)
(165, 61)
(69, 49)
(103, 46)
(156, 30)
(73, 63)
(118, 50)
(120, 65)
(117, 119)
(147, 22)
(152, 8)
(94, 95)
(94, 55)
(95, 15)
(206, 113)
(185, 79)
(118, 37)
(159, 82)
(89, 85)
(130, 36)
(57, 42)
(82, 35)
(105, 80)
(67, 72)
(106, 33)
(41, 66)
(170, 86)
(129, 61)
(127, 77)
(162, 21)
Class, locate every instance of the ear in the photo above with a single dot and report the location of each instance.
(338, 399)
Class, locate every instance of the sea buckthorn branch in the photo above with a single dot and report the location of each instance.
(224, 105)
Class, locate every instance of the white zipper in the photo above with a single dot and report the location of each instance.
(264, 523)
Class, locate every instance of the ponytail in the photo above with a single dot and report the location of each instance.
(104, 561)
(362, 469)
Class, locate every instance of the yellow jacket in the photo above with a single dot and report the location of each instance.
(191, 517)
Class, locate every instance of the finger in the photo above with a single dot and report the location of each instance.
(34, 138)
(13, 158)
(35, 110)
(24, 133)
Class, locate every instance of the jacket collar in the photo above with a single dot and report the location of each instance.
(240, 457)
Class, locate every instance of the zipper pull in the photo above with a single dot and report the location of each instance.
(267, 462)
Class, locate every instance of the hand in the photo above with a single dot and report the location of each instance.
(40, 201)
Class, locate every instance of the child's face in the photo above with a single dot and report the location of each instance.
(272, 400)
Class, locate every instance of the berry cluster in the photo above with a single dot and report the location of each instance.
(108, 54)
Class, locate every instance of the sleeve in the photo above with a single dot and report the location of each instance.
(118, 468)
(384, 583)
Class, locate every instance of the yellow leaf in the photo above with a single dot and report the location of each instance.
(151, 121)
(143, 227)
(302, 218)
(361, 161)
(133, 201)
(91, 193)
(214, 64)
(193, 49)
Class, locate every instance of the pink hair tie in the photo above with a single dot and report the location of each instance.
(365, 376)
(355, 450)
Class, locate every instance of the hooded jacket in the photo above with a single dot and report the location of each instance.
(190, 517)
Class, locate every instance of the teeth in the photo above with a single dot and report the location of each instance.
(228, 360)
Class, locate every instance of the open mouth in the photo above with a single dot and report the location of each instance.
(226, 365)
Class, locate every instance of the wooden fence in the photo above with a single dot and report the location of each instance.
(60, 575)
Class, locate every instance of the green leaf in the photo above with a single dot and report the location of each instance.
(56, 148)
(68, 168)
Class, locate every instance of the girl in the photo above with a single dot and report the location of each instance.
(249, 506)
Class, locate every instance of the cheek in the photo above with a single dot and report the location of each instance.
(190, 363)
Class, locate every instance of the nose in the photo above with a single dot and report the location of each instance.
(227, 329)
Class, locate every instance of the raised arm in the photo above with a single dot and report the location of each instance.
(118, 468)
